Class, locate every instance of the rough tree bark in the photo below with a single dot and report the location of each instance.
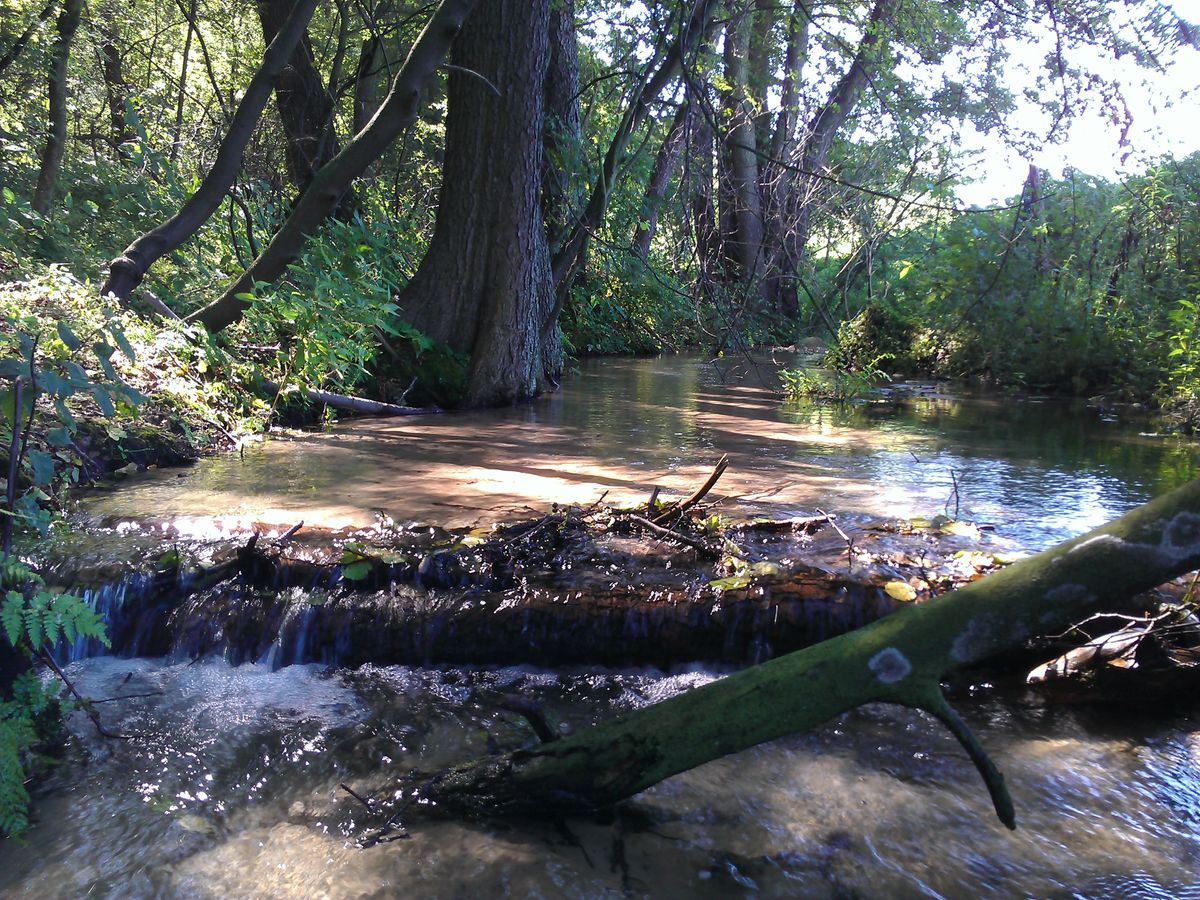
(660, 179)
(741, 206)
(900, 659)
(116, 89)
(126, 272)
(782, 254)
(367, 81)
(56, 138)
(305, 107)
(321, 200)
(483, 287)
(699, 167)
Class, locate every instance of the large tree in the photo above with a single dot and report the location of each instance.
(305, 105)
(56, 138)
(484, 286)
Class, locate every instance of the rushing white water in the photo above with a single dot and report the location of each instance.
(229, 787)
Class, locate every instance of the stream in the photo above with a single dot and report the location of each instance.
(229, 785)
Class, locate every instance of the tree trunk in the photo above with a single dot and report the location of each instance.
(900, 659)
(305, 107)
(700, 164)
(782, 254)
(367, 81)
(561, 198)
(742, 212)
(56, 139)
(127, 271)
(484, 286)
(322, 198)
(835, 112)
(660, 179)
(13, 53)
(116, 89)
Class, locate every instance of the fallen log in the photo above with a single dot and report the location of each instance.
(354, 404)
(899, 659)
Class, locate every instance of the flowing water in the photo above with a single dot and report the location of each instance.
(228, 785)
(1041, 470)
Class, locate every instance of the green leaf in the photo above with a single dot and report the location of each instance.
(103, 351)
(59, 437)
(67, 336)
(356, 571)
(42, 464)
(6, 406)
(104, 401)
(122, 341)
(12, 616)
(64, 413)
(55, 385)
(732, 583)
(33, 627)
(76, 373)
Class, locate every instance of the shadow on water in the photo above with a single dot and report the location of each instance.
(1041, 470)
(230, 786)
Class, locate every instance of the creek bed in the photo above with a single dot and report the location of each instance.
(231, 786)
(232, 790)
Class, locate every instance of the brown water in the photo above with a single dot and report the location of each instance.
(229, 787)
(1041, 470)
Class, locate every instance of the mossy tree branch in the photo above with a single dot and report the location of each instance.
(900, 659)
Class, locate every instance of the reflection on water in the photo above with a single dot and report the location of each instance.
(1041, 471)
(230, 785)
(230, 789)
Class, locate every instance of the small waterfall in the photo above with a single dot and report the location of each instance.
(134, 609)
(444, 618)
(290, 646)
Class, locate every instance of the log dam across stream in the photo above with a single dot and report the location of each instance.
(230, 783)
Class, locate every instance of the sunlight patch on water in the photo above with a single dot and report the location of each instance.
(1044, 471)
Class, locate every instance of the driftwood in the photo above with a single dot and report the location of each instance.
(706, 550)
(678, 509)
(1158, 645)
